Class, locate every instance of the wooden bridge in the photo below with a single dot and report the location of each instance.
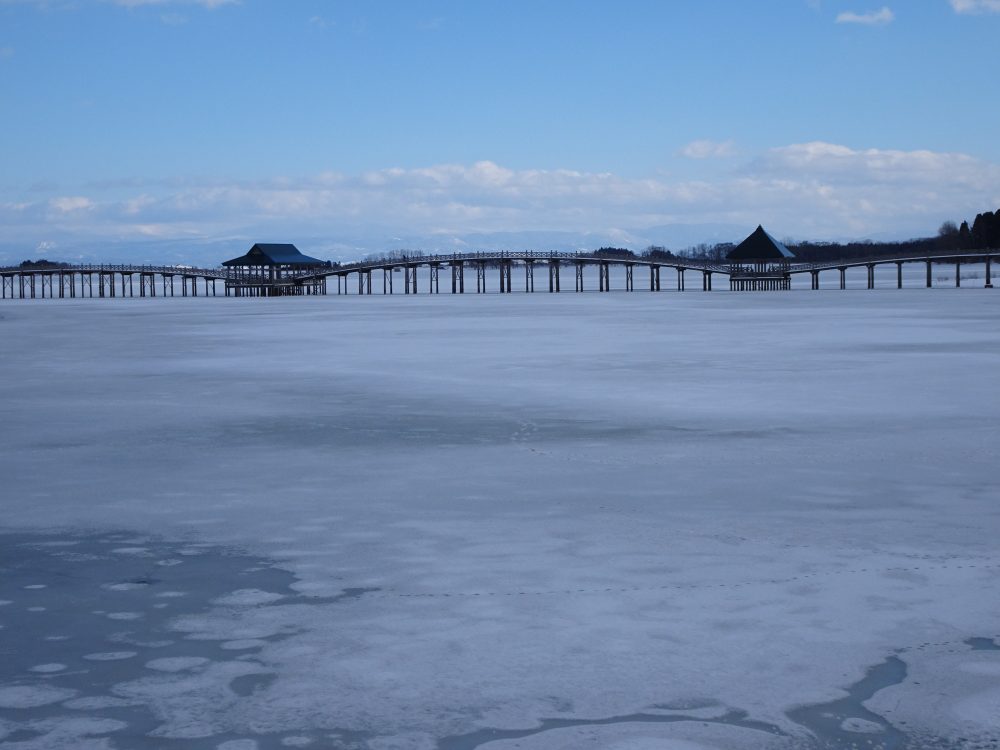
(515, 269)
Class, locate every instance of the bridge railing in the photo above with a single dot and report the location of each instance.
(937, 255)
(291, 276)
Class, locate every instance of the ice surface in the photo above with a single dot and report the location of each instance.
(507, 513)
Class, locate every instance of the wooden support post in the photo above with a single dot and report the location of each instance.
(629, 278)
(579, 275)
(680, 279)
(871, 275)
(989, 280)
(958, 273)
(899, 275)
(529, 276)
(929, 282)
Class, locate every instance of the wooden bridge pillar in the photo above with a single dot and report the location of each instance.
(843, 278)
(706, 281)
(958, 273)
(481, 277)
(604, 271)
(579, 275)
(899, 274)
(680, 279)
(505, 276)
(629, 279)
(989, 280)
(871, 275)
(553, 275)
(434, 284)
(929, 282)
(529, 276)
(815, 279)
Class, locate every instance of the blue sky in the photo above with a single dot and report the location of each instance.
(350, 126)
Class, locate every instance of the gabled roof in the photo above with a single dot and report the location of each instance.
(265, 254)
(759, 246)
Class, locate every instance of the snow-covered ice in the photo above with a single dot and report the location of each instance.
(626, 520)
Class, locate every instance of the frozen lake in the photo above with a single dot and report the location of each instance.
(630, 521)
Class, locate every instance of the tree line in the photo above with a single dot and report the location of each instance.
(983, 234)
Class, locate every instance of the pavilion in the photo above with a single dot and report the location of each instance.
(760, 262)
(269, 270)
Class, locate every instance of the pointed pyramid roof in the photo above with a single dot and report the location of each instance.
(760, 246)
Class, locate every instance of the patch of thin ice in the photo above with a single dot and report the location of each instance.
(96, 703)
(238, 745)
(32, 696)
(242, 644)
(124, 615)
(176, 663)
(248, 598)
(48, 668)
(110, 655)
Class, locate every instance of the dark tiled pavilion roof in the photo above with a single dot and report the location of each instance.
(264, 254)
(760, 246)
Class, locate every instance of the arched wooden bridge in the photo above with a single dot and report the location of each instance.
(465, 269)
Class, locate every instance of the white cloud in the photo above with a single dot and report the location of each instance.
(975, 6)
(871, 18)
(71, 204)
(706, 149)
(813, 190)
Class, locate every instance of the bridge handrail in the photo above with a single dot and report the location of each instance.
(234, 274)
